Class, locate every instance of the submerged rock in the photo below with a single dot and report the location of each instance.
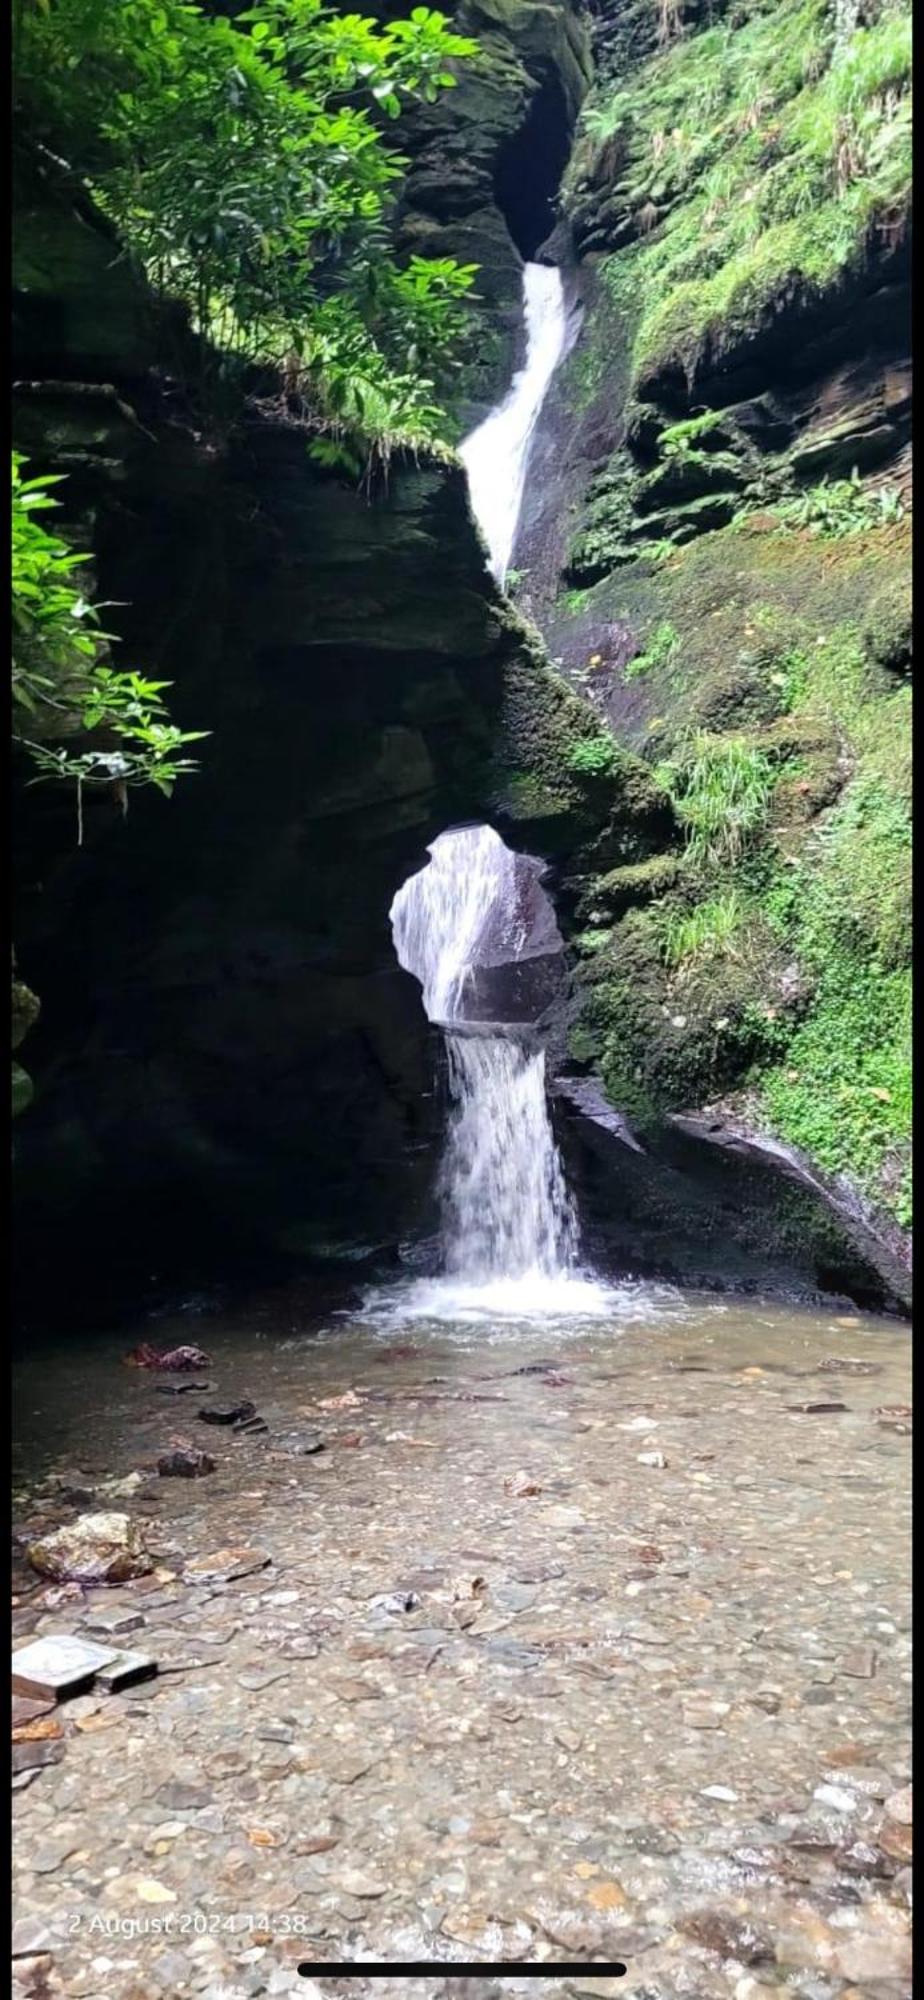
(184, 1464)
(96, 1548)
(177, 1359)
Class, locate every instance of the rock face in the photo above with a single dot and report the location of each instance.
(485, 170)
(97, 1548)
(715, 544)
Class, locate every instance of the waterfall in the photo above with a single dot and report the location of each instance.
(507, 1221)
(505, 1206)
(496, 454)
(439, 916)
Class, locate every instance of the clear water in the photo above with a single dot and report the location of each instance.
(712, 1512)
(496, 454)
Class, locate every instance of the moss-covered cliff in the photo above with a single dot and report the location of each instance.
(719, 556)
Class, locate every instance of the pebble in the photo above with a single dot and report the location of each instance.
(701, 1712)
(833, 1796)
(31, 1935)
(860, 1663)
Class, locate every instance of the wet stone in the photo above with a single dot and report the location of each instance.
(183, 1464)
(226, 1565)
(31, 1935)
(228, 1413)
(730, 1936)
(859, 1663)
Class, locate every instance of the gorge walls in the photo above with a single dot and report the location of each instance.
(230, 1069)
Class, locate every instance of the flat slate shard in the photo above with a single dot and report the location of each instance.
(125, 1669)
(58, 1666)
(225, 1564)
(112, 1623)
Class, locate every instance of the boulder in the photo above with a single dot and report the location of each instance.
(96, 1548)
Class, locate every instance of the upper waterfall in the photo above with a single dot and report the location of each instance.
(496, 454)
(440, 913)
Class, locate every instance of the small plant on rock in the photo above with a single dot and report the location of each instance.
(843, 507)
(720, 787)
(594, 757)
(659, 652)
(705, 932)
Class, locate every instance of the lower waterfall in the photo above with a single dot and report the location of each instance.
(509, 1234)
(506, 1211)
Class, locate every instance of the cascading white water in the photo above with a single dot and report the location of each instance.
(505, 1205)
(440, 914)
(496, 454)
(509, 1229)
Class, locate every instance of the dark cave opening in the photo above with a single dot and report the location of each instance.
(529, 168)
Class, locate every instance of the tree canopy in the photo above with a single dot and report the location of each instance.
(245, 163)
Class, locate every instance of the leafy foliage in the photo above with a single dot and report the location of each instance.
(843, 507)
(595, 757)
(62, 686)
(244, 164)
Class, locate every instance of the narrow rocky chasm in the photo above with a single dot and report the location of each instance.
(461, 1379)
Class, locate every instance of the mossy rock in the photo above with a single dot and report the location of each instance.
(638, 882)
(23, 1090)
(689, 478)
(543, 775)
(682, 523)
(733, 698)
(26, 1008)
(886, 630)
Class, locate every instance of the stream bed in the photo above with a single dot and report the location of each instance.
(581, 1639)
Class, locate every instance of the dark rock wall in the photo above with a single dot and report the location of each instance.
(229, 1065)
(486, 163)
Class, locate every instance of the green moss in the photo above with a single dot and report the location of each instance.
(844, 1090)
(788, 965)
(668, 1041)
(638, 882)
(659, 650)
(754, 159)
(886, 630)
